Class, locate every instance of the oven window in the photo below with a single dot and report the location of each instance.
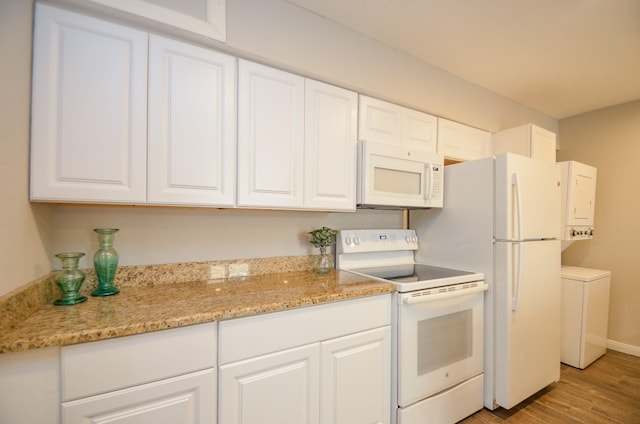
(444, 340)
(396, 181)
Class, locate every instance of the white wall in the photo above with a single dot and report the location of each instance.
(23, 228)
(609, 139)
(169, 235)
(275, 32)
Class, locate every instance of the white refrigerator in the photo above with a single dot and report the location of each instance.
(501, 217)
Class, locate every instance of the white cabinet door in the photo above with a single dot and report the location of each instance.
(330, 147)
(461, 142)
(270, 137)
(356, 378)
(191, 124)
(389, 123)
(188, 399)
(379, 121)
(277, 388)
(89, 109)
(526, 140)
(419, 130)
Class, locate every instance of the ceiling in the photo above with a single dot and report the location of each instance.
(559, 57)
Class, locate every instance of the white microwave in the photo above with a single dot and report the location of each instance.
(395, 177)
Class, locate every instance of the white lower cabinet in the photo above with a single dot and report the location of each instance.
(164, 377)
(187, 399)
(355, 378)
(323, 364)
(277, 388)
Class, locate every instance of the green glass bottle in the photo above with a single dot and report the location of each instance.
(69, 279)
(105, 261)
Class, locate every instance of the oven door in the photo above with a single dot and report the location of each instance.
(440, 340)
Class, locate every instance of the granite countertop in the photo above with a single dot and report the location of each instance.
(140, 309)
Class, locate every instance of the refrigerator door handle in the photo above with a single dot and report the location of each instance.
(516, 186)
(427, 194)
(515, 301)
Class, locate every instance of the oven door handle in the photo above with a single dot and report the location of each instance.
(413, 298)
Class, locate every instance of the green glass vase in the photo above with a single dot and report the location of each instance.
(69, 279)
(105, 261)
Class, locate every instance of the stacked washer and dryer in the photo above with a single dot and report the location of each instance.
(585, 292)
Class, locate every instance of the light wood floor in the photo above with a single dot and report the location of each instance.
(606, 392)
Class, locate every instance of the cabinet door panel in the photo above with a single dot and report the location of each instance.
(88, 140)
(271, 389)
(186, 399)
(462, 142)
(356, 378)
(191, 124)
(270, 137)
(419, 130)
(330, 147)
(379, 121)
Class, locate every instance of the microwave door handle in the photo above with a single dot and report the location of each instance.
(429, 186)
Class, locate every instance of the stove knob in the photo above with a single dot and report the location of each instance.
(591, 232)
(414, 239)
(574, 233)
(407, 239)
(347, 241)
(356, 240)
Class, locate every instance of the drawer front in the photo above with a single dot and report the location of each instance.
(248, 337)
(106, 365)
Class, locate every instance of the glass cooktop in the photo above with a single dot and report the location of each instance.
(406, 276)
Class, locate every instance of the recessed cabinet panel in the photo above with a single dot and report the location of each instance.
(389, 123)
(88, 140)
(379, 121)
(191, 124)
(461, 142)
(330, 147)
(270, 137)
(282, 387)
(526, 140)
(419, 130)
(188, 399)
(358, 360)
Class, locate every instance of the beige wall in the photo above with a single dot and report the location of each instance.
(272, 31)
(23, 227)
(609, 139)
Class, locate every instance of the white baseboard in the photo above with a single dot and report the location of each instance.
(624, 348)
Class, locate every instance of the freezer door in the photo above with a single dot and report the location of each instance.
(527, 198)
(527, 319)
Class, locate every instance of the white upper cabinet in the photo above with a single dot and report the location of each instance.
(192, 124)
(270, 137)
(461, 142)
(389, 123)
(89, 116)
(331, 138)
(526, 140)
(296, 141)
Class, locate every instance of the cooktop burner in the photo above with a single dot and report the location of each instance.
(408, 277)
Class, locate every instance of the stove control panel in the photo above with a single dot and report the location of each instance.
(386, 240)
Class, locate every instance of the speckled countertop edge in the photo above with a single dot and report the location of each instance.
(169, 296)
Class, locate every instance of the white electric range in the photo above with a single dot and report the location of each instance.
(437, 346)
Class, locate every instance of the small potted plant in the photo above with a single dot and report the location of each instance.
(322, 238)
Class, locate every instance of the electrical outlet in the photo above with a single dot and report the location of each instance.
(238, 270)
(216, 271)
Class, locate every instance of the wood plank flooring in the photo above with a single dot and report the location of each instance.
(606, 392)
